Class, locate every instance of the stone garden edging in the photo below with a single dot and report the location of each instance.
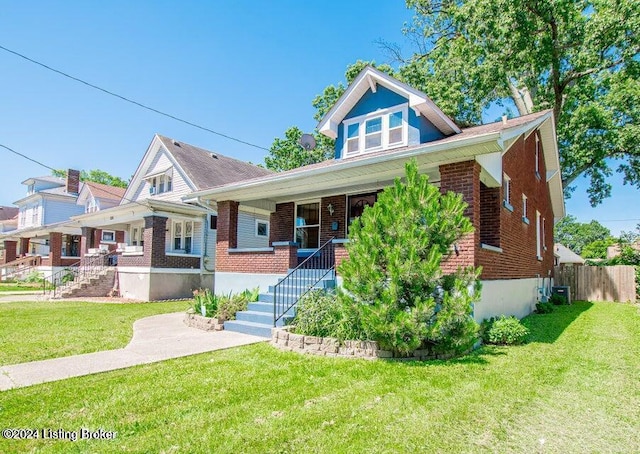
(328, 346)
(203, 323)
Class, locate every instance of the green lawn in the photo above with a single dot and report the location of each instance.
(19, 286)
(574, 387)
(34, 331)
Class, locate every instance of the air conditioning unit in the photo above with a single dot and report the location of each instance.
(152, 190)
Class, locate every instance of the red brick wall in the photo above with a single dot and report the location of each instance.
(517, 239)
(10, 248)
(339, 203)
(55, 248)
(277, 261)
(463, 178)
(490, 204)
(340, 253)
(281, 223)
(86, 240)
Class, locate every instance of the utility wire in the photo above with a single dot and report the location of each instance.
(124, 98)
(55, 170)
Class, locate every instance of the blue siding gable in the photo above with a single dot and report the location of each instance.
(421, 130)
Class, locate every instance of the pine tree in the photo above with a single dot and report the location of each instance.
(393, 274)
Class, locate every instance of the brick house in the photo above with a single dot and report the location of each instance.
(508, 173)
(42, 237)
(166, 247)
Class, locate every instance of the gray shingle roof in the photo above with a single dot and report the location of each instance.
(206, 168)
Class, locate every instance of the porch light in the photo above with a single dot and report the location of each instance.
(331, 209)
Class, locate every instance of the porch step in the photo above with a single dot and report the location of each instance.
(92, 286)
(246, 327)
(258, 318)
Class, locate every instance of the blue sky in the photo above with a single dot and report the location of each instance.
(248, 69)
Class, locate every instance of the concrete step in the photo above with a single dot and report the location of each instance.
(267, 308)
(255, 329)
(322, 284)
(259, 317)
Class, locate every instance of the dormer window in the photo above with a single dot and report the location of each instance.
(379, 130)
(31, 188)
(160, 182)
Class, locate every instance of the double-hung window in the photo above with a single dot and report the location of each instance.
(379, 130)
(182, 236)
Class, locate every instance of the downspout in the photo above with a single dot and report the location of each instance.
(206, 236)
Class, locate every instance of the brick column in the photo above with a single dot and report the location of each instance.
(281, 223)
(55, 248)
(340, 254)
(227, 235)
(464, 178)
(154, 241)
(24, 246)
(10, 252)
(86, 240)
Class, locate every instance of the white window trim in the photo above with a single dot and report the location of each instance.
(102, 240)
(525, 219)
(538, 242)
(544, 229)
(295, 215)
(262, 221)
(506, 192)
(384, 114)
(183, 235)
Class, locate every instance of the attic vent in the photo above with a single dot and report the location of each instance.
(176, 143)
(214, 156)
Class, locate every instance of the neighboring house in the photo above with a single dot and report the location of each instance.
(49, 202)
(8, 219)
(565, 256)
(614, 250)
(508, 173)
(168, 246)
(8, 222)
(43, 215)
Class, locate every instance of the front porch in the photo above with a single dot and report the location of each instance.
(160, 253)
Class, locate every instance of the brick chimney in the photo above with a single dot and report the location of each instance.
(73, 181)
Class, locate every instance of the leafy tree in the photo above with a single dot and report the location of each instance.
(597, 249)
(286, 154)
(576, 235)
(393, 273)
(95, 176)
(579, 58)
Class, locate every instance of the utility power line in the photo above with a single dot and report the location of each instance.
(131, 101)
(55, 170)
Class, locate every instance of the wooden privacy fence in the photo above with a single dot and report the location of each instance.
(598, 283)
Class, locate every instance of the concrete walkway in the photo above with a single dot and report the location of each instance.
(155, 339)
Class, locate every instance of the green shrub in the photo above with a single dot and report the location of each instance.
(317, 314)
(558, 300)
(328, 315)
(205, 303)
(393, 275)
(230, 304)
(504, 330)
(34, 276)
(68, 276)
(544, 308)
